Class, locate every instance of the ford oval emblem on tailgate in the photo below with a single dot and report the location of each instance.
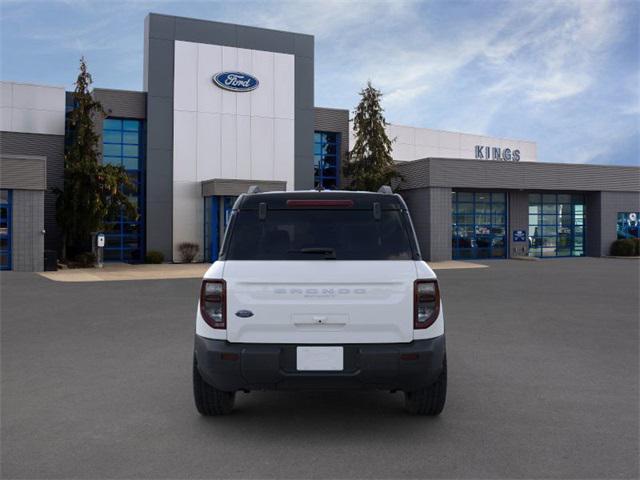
(244, 313)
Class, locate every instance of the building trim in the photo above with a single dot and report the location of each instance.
(490, 174)
(122, 103)
(333, 120)
(234, 187)
(23, 172)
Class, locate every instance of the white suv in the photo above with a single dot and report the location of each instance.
(320, 290)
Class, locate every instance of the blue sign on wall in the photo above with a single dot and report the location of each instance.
(519, 236)
(236, 81)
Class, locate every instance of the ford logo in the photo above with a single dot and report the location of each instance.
(236, 81)
(244, 313)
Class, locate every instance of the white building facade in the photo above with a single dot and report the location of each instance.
(413, 143)
(223, 134)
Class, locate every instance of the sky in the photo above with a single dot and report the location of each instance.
(565, 74)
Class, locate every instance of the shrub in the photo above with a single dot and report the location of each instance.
(85, 260)
(627, 247)
(153, 256)
(188, 251)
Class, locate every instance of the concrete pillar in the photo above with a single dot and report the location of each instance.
(430, 210)
(518, 220)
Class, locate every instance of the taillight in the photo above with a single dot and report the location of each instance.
(426, 303)
(213, 303)
(320, 203)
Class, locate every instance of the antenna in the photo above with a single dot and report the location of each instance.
(254, 189)
(386, 189)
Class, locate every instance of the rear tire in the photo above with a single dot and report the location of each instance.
(210, 400)
(429, 400)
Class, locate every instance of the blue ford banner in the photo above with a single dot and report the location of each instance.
(519, 236)
(236, 81)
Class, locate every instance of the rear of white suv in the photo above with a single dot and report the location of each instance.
(320, 290)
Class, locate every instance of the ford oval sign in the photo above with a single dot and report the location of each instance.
(236, 81)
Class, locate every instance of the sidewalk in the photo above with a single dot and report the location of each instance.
(124, 271)
(165, 271)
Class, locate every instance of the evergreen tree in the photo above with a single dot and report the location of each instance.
(92, 191)
(369, 164)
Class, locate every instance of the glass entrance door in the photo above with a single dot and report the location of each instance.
(217, 212)
(479, 225)
(5, 229)
(556, 225)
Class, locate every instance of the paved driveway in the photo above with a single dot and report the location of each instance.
(543, 361)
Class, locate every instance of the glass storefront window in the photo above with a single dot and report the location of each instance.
(131, 125)
(326, 160)
(210, 219)
(478, 225)
(123, 145)
(498, 208)
(112, 136)
(112, 150)
(112, 124)
(556, 225)
(217, 214)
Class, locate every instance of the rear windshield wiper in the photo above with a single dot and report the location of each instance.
(329, 253)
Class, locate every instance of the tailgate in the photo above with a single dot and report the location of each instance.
(320, 302)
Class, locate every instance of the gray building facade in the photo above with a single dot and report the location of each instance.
(577, 204)
(50, 147)
(32, 134)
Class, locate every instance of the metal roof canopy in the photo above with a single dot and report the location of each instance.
(490, 174)
(234, 187)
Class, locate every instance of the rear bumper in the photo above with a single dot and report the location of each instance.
(254, 366)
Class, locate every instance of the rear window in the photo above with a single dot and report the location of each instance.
(301, 234)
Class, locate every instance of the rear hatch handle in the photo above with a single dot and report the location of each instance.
(329, 253)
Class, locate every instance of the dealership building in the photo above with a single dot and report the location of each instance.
(224, 107)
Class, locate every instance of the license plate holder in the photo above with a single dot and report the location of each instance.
(320, 359)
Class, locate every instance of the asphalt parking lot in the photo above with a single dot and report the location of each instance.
(543, 382)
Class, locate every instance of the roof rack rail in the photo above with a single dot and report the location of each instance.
(254, 189)
(385, 189)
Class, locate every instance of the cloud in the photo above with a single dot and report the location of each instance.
(555, 56)
(401, 97)
(330, 17)
(543, 54)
